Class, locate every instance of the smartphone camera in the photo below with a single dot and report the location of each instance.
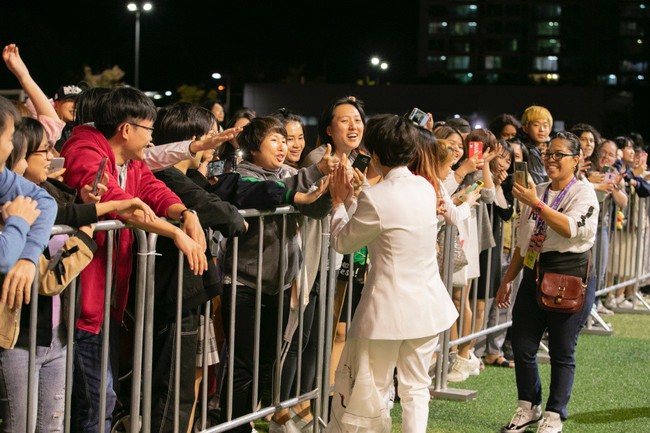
(419, 117)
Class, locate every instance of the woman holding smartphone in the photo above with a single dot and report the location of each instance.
(556, 232)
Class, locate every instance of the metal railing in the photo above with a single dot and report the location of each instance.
(627, 265)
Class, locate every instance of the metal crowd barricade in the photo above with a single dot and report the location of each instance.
(110, 227)
(276, 403)
(626, 258)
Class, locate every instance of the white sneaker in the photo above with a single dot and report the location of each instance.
(604, 311)
(610, 302)
(475, 361)
(287, 427)
(551, 423)
(527, 415)
(624, 303)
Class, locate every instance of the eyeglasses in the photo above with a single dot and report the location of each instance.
(556, 156)
(148, 128)
(50, 149)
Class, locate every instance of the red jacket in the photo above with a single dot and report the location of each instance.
(83, 153)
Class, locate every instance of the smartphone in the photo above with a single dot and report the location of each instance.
(476, 148)
(56, 164)
(361, 161)
(419, 117)
(610, 176)
(521, 173)
(607, 169)
(215, 168)
(100, 175)
(476, 186)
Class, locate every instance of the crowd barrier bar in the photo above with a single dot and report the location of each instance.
(276, 404)
(110, 226)
(625, 269)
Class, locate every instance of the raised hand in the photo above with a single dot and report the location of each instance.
(340, 186)
(328, 162)
(13, 61)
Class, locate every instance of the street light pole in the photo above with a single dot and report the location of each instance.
(137, 8)
(137, 49)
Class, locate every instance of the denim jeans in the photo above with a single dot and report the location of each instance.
(528, 325)
(50, 379)
(87, 380)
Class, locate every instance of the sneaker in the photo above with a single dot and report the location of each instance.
(287, 427)
(551, 423)
(527, 415)
(604, 311)
(474, 361)
(462, 368)
(624, 303)
(610, 303)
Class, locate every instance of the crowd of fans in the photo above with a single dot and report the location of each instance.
(204, 167)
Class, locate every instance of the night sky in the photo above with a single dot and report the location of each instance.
(184, 42)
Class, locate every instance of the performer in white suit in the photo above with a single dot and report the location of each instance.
(404, 303)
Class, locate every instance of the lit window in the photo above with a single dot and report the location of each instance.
(465, 11)
(436, 28)
(549, 11)
(545, 63)
(548, 28)
(492, 62)
(548, 46)
(463, 28)
(458, 62)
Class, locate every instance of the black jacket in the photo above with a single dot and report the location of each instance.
(213, 213)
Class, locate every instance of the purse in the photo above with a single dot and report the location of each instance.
(459, 258)
(561, 293)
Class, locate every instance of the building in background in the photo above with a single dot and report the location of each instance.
(577, 42)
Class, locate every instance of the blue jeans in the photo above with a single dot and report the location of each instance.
(528, 325)
(50, 379)
(87, 380)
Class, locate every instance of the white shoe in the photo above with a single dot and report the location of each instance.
(604, 311)
(474, 360)
(287, 427)
(624, 303)
(462, 368)
(527, 415)
(610, 302)
(551, 423)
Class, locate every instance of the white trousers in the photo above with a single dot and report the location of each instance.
(412, 359)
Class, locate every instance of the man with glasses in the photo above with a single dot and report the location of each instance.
(123, 126)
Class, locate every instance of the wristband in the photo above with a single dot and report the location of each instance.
(537, 209)
(187, 210)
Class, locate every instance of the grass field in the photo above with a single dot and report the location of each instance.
(611, 393)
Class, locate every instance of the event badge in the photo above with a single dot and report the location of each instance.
(530, 259)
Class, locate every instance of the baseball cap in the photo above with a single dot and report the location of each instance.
(66, 92)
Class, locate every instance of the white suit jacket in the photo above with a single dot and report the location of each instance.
(403, 297)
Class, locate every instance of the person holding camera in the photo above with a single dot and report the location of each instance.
(556, 232)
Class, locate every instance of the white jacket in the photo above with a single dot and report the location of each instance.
(403, 297)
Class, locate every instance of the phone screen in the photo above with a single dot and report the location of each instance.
(419, 117)
(521, 173)
(215, 168)
(100, 175)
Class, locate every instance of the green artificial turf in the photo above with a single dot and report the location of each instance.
(611, 393)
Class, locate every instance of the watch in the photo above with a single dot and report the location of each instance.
(187, 210)
(537, 209)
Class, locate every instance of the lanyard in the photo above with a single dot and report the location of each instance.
(540, 224)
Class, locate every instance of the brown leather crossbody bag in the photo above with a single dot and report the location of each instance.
(561, 293)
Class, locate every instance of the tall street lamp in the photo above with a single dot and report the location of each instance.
(137, 8)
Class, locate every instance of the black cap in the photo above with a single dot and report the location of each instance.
(66, 92)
